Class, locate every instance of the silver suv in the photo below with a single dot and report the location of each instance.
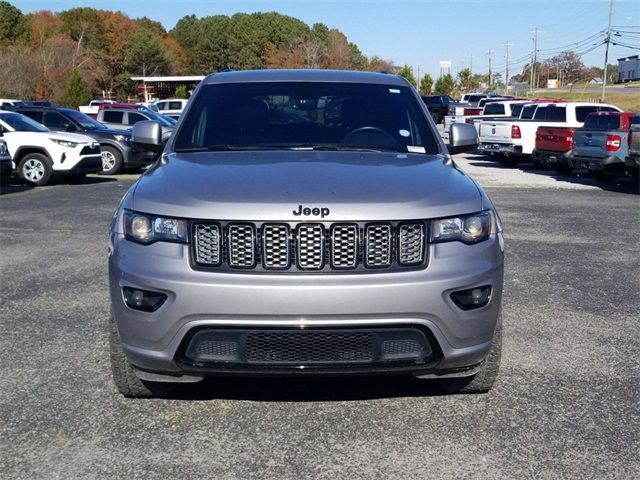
(303, 223)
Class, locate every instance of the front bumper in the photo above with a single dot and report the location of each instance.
(134, 157)
(86, 164)
(6, 167)
(199, 300)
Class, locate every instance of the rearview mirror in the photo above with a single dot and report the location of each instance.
(462, 138)
(147, 135)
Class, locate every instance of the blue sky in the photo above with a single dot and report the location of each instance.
(420, 33)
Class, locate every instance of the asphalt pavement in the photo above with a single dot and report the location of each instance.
(565, 404)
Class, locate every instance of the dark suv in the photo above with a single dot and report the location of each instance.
(117, 150)
(438, 106)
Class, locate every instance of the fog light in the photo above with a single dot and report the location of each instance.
(473, 298)
(143, 300)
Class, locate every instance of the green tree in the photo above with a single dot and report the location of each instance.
(466, 81)
(407, 73)
(13, 24)
(181, 92)
(445, 85)
(76, 92)
(85, 27)
(426, 84)
(145, 55)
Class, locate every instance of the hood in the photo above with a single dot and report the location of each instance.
(273, 185)
(71, 137)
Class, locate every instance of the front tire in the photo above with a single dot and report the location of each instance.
(124, 377)
(482, 381)
(35, 168)
(111, 160)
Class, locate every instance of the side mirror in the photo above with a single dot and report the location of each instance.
(462, 138)
(70, 127)
(147, 135)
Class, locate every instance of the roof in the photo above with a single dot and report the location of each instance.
(346, 76)
(190, 78)
(628, 58)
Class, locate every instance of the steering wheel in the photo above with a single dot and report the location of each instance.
(370, 129)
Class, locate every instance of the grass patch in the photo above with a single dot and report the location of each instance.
(629, 102)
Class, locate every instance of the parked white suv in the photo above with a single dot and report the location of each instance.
(39, 153)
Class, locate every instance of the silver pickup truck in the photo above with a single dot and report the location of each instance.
(305, 223)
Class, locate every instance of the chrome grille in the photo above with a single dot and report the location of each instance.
(309, 247)
(241, 245)
(344, 242)
(378, 245)
(275, 246)
(207, 244)
(411, 241)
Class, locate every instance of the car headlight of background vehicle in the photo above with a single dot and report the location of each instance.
(468, 229)
(64, 143)
(146, 229)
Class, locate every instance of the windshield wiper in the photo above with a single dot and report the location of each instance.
(221, 147)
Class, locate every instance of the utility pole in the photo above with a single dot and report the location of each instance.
(471, 63)
(532, 73)
(489, 52)
(606, 51)
(506, 63)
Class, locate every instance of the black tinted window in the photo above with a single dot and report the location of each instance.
(135, 118)
(37, 116)
(528, 111)
(110, 116)
(582, 112)
(551, 113)
(306, 114)
(602, 122)
(494, 109)
(516, 109)
(55, 121)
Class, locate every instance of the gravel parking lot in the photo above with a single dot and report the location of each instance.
(565, 404)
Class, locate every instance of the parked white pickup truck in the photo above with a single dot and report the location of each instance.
(510, 140)
(93, 107)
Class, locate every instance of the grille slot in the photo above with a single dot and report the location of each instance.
(275, 246)
(378, 245)
(344, 242)
(241, 245)
(411, 243)
(207, 244)
(309, 247)
(309, 347)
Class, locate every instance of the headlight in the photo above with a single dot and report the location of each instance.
(3, 149)
(472, 228)
(146, 229)
(64, 143)
(122, 138)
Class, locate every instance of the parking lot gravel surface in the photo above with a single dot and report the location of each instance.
(565, 404)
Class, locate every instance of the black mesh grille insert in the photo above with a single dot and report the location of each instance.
(309, 347)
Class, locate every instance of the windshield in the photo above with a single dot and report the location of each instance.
(21, 123)
(306, 115)
(85, 121)
(156, 116)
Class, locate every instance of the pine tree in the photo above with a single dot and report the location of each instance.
(76, 92)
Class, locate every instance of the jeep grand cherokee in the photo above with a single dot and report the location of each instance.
(305, 222)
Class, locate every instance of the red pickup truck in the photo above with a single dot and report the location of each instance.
(553, 146)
